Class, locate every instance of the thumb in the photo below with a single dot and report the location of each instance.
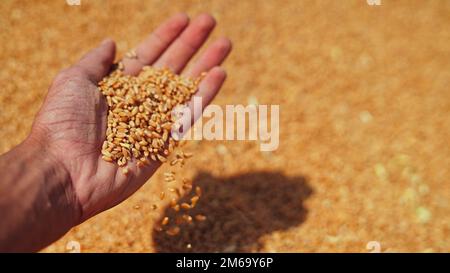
(97, 62)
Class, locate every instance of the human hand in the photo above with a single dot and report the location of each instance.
(71, 124)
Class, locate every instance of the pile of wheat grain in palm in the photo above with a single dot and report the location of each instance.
(139, 124)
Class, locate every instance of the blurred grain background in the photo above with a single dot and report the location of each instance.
(365, 121)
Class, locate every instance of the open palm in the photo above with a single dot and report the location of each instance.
(72, 119)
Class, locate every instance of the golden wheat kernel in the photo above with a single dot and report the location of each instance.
(173, 231)
(119, 105)
(187, 155)
(123, 132)
(143, 143)
(155, 143)
(187, 218)
(167, 126)
(165, 221)
(182, 162)
(131, 54)
(143, 160)
(125, 145)
(134, 111)
(162, 195)
(161, 142)
(176, 208)
(194, 201)
(187, 188)
(106, 153)
(185, 206)
(173, 162)
(169, 179)
(161, 158)
(155, 134)
(198, 191)
(109, 159)
(200, 217)
(123, 114)
(170, 174)
(121, 162)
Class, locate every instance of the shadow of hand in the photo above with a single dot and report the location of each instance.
(239, 210)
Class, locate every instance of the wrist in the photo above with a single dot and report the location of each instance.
(57, 177)
(37, 200)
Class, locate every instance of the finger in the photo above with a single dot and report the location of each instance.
(154, 45)
(207, 90)
(211, 84)
(97, 62)
(214, 55)
(182, 50)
